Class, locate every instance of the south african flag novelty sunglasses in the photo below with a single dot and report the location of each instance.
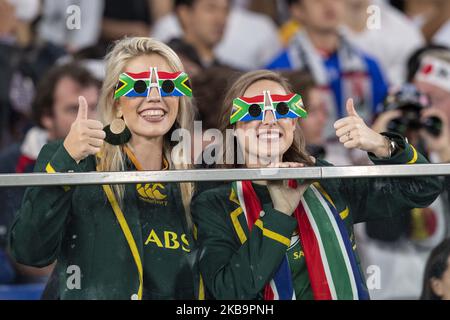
(134, 85)
(255, 108)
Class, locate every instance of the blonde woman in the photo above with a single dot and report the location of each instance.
(294, 240)
(118, 242)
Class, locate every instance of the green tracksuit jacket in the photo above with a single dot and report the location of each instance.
(78, 228)
(237, 264)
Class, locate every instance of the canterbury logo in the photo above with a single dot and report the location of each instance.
(153, 193)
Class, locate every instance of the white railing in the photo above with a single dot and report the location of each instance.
(316, 173)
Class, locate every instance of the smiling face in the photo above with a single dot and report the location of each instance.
(269, 139)
(150, 117)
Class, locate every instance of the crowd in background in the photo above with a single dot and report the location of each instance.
(391, 57)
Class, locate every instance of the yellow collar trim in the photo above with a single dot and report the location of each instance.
(137, 164)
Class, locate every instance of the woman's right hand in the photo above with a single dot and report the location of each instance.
(284, 198)
(86, 136)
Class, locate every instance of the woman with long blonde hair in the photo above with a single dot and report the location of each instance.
(122, 241)
(294, 239)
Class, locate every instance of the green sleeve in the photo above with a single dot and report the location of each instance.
(379, 198)
(38, 229)
(230, 269)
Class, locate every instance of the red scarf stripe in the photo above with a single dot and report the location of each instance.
(23, 163)
(253, 209)
(251, 201)
(318, 279)
(314, 263)
(268, 293)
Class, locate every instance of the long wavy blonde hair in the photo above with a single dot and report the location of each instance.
(113, 157)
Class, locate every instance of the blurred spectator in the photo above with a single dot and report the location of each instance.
(250, 40)
(336, 65)
(16, 15)
(133, 18)
(436, 27)
(436, 279)
(59, 20)
(400, 246)
(433, 78)
(210, 87)
(409, 112)
(289, 29)
(23, 60)
(203, 23)
(391, 44)
(99, 22)
(269, 8)
(313, 127)
(432, 16)
(55, 108)
(418, 10)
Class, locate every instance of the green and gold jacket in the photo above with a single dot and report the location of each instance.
(237, 264)
(141, 249)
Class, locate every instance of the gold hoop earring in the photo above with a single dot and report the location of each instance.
(117, 133)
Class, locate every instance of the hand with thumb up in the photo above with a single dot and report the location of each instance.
(86, 136)
(354, 133)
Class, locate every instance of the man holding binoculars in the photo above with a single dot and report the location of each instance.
(421, 111)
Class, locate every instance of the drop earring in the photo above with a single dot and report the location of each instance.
(117, 133)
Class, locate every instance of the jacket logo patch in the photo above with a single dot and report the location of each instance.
(168, 240)
(153, 193)
(298, 255)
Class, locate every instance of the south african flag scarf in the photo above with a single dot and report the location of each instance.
(330, 259)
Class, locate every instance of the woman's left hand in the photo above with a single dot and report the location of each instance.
(284, 198)
(354, 133)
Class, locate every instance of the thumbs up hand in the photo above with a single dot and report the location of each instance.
(86, 136)
(354, 133)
